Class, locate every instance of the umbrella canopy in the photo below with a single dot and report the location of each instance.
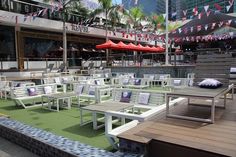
(131, 46)
(107, 45)
(141, 48)
(157, 49)
(122, 46)
(148, 49)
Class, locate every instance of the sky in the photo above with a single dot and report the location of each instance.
(117, 1)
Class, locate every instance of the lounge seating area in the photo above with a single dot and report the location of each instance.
(111, 105)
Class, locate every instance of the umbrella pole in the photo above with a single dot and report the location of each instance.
(167, 37)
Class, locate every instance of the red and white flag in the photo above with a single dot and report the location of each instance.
(218, 7)
(200, 16)
(213, 25)
(199, 28)
(195, 11)
(208, 13)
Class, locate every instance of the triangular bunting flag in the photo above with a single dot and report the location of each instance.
(195, 11)
(191, 29)
(221, 24)
(199, 16)
(208, 13)
(206, 27)
(218, 7)
(164, 15)
(228, 7)
(231, 2)
(206, 7)
(199, 28)
(174, 14)
(228, 23)
(213, 25)
(180, 30)
(185, 12)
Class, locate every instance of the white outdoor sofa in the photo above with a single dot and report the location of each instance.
(22, 94)
(156, 104)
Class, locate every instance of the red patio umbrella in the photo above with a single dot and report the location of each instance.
(141, 48)
(107, 45)
(156, 49)
(133, 47)
(121, 46)
(148, 49)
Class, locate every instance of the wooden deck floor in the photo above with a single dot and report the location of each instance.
(218, 138)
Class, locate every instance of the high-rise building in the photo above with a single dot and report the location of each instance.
(151, 6)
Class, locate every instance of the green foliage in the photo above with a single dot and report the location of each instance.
(135, 15)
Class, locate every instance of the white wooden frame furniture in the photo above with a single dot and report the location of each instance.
(20, 94)
(58, 100)
(208, 66)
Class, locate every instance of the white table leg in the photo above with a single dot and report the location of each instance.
(94, 120)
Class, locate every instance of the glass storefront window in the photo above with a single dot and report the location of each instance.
(42, 48)
(7, 43)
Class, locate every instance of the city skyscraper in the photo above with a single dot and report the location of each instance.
(151, 6)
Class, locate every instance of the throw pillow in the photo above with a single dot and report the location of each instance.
(125, 81)
(65, 79)
(137, 82)
(32, 91)
(91, 90)
(97, 82)
(233, 70)
(79, 89)
(125, 96)
(177, 82)
(210, 83)
(57, 80)
(106, 75)
(47, 89)
(143, 98)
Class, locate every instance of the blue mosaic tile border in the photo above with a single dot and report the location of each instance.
(75, 148)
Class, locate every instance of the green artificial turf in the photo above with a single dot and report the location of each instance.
(64, 123)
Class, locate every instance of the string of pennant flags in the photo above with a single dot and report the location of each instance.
(153, 37)
(199, 13)
(204, 27)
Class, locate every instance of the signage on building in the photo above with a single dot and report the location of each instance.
(79, 28)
